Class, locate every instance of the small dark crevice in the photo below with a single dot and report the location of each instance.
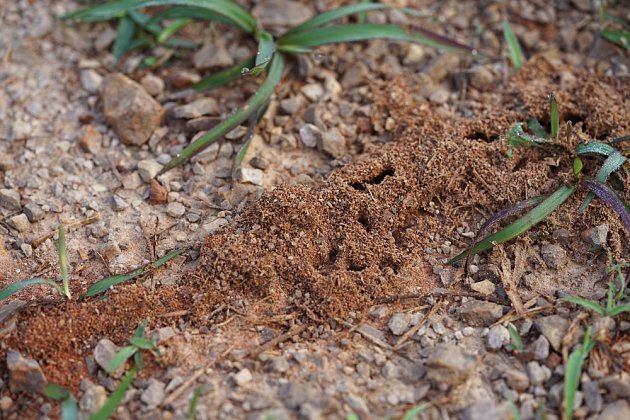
(332, 255)
(356, 267)
(374, 180)
(364, 221)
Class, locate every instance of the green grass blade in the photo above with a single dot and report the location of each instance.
(166, 258)
(619, 309)
(180, 43)
(620, 139)
(104, 284)
(228, 9)
(515, 339)
(516, 53)
(621, 38)
(612, 163)
(534, 125)
(364, 31)
(274, 75)
(170, 30)
(140, 330)
(253, 120)
(553, 112)
(120, 358)
(414, 412)
(578, 165)
(573, 371)
(588, 304)
(126, 31)
(56, 392)
(362, 16)
(144, 21)
(62, 252)
(266, 50)
(518, 137)
(69, 409)
(142, 343)
(332, 15)
(192, 407)
(19, 285)
(595, 148)
(523, 224)
(226, 76)
(114, 400)
(602, 11)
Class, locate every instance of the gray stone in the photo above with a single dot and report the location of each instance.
(148, 169)
(415, 54)
(10, 199)
(214, 225)
(596, 236)
(378, 312)
(104, 352)
(243, 377)
(440, 96)
(372, 332)
(310, 135)
(93, 398)
(279, 364)
(541, 348)
(485, 287)
(554, 256)
(196, 109)
(615, 411)
(162, 334)
(538, 374)
(131, 181)
(593, 398)
(312, 91)
(618, 385)
(152, 84)
(480, 313)
(251, 176)
(130, 110)
(19, 222)
(294, 394)
(483, 410)
(334, 143)
(212, 54)
(450, 365)
(498, 336)
(281, 13)
(399, 323)
(120, 203)
(25, 375)
(91, 80)
(292, 105)
(553, 327)
(27, 249)
(175, 209)
(154, 394)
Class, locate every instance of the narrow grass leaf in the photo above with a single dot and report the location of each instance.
(144, 21)
(240, 156)
(514, 47)
(595, 148)
(334, 14)
(516, 415)
(573, 371)
(120, 358)
(619, 20)
(69, 409)
(115, 399)
(180, 43)
(226, 76)
(274, 75)
(166, 258)
(523, 224)
(104, 284)
(231, 11)
(620, 139)
(612, 163)
(364, 31)
(170, 30)
(125, 32)
(192, 407)
(607, 195)
(602, 11)
(518, 137)
(62, 252)
(56, 392)
(140, 329)
(266, 50)
(19, 285)
(534, 125)
(578, 165)
(619, 309)
(515, 339)
(142, 343)
(621, 38)
(414, 412)
(362, 16)
(588, 304)
(555, 119)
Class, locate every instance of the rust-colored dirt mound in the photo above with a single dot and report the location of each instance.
(380, 226)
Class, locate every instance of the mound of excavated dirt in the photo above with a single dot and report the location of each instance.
(381, 226)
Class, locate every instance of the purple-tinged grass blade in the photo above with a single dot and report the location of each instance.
(612, 163)
(500, 215)
(607, 195)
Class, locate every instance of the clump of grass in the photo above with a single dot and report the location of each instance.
(545, 205)
(272, 50)
(63, 290)
(614, 28)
